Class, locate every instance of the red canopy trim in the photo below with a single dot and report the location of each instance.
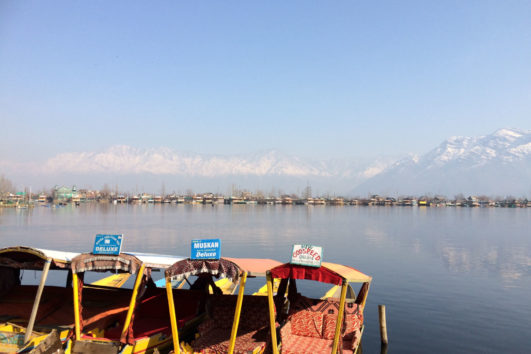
(322, 274)
(187, 267)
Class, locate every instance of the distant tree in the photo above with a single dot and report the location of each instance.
(259, 195)
(105, 191)
(307, 192)
(6, 186)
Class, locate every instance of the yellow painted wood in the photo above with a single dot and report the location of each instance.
(340, 315)
(269, 285)
(115, 280)
(225, 284)
(173, 317)
(263, 290)
(237, 314)
(133, 298)
(76, 306)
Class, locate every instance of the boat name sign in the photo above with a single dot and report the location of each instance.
(206, 249)
(108, 244)
(307, 255)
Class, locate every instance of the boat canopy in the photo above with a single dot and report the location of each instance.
(23, 257)
(231, 268)
(331, 273)
(128, 262)
(187, 267)
(101, 263)
(328, 273)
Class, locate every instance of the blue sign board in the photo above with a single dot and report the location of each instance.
(206, 249)
(107, 244)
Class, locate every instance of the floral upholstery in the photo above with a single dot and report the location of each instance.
(217, 341)
(308, 345)
(253, 330)
(307, 324)
(296, 339)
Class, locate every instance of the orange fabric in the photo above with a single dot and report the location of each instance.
(255, 266)
(307, 324)
(349, 273)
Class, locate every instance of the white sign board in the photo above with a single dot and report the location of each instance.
(307, 255)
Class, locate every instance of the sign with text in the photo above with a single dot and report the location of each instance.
(206, 249)
(307, 255)
(108, 244)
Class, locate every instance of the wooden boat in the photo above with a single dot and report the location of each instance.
(318, 325)
(225, 329)
(29, 313)
(129, 320)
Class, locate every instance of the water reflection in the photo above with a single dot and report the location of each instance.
(433, 267)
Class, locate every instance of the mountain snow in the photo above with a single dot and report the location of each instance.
(499, 163)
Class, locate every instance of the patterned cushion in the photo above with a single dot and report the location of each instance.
(217, 341)
(329, 327)
(356, 338)
(309, 345)
(353, 323)
(307, 324)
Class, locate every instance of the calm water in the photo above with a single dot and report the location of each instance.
(453, 280)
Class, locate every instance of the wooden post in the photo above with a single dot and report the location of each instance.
(237, 314)
(339, 321)
(132, 303)
(383, 325)
(269, 282)
(37, 301)
(173, 317)
(77, 322)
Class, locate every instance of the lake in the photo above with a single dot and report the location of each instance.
(452, 279)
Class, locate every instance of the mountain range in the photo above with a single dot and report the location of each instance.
(495, 164)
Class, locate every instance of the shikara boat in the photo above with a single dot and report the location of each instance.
(234, 323)
(319, 325)
(28, 312)
(129, 320)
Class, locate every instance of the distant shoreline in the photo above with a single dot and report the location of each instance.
(22, 201)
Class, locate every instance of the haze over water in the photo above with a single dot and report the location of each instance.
(452, 279)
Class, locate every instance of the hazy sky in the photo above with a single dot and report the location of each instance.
(324, 79)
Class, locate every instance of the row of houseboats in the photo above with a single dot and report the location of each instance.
(153, 303)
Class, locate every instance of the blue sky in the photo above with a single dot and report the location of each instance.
(322, 79)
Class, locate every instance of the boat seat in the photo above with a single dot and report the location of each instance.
(311, 325)
(253, 331)
(152, 317)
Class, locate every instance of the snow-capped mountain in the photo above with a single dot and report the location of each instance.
(129, 167)
(163, 161)
(495, 164)
(128, 160)
(499, 163)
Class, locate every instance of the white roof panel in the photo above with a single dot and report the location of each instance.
(153, 260)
